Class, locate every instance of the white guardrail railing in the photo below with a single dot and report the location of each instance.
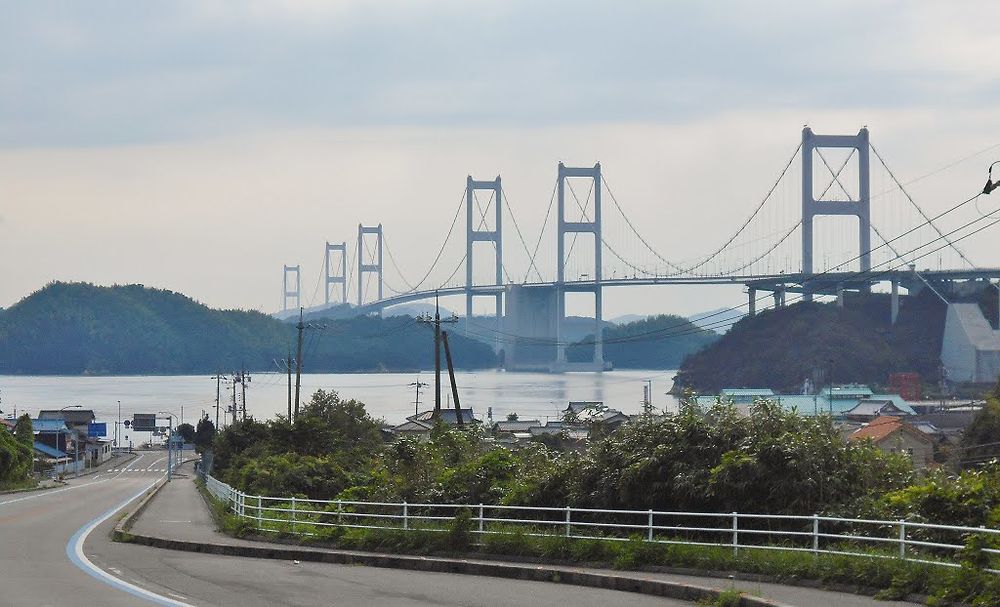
(908, 540)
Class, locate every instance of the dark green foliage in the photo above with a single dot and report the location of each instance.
(204, 434)
(16, 455)
(981, 439)
(72, 328)
(460, 531)
(780, 348)
(186, 432)
(24, 431)
(317, 456)
(720, 461)
(658, 342)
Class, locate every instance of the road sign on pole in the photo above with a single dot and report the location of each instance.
(96, 430)
(144, 422)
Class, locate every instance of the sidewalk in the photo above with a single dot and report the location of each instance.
(178, 512)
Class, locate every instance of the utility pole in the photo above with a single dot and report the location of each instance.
(451, 376)
(288, 368)
(436, 321)
(233, 409)
(418, 385)
(218, 393)
(243, 378)
(298, 361)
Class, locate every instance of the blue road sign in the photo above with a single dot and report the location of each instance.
(96, 430)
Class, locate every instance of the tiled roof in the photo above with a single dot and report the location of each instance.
(884, 426)
(879, 428)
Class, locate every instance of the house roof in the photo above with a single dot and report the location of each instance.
(74, 417)
(884, 426)
(737, 392)
(447, 416)
(872, 407)
(517, 425)
(412, 426)
(49, 425)
(49, 451)
(576, 406)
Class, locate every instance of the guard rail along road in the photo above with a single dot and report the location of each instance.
(913, 541)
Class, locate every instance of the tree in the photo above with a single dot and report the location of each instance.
(204, 434)
(981, 439)
(24, 431)
(187, 432)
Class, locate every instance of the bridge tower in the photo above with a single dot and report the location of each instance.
(474, 235)
(291, 293)
(860, 208)
(568, 227)
(336, 279)
(369, 263)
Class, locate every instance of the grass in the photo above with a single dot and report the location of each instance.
(726, 598)
(886, 578)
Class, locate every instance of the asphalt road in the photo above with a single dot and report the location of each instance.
(54, 550)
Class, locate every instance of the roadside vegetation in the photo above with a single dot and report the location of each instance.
(16, 455)
(706, 460)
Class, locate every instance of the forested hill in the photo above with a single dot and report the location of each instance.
(79, 328)
(657, 342)
(780, 348)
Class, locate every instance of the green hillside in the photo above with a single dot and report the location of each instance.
(79, 328)
(780, 348)
(656, 342)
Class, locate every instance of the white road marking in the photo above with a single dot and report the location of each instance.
(74, 550)
(54, 491)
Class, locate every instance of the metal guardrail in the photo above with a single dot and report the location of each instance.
(908, 540)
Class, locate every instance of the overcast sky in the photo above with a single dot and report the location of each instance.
(199, 146)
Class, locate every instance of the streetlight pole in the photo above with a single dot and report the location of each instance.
(118, 424)
(170, 437)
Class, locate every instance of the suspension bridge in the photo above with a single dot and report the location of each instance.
(835, 220)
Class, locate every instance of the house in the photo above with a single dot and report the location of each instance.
(894, 435)
(75, 419)
(54, 459)
(517, 429)
(868, 409)
(834, 400)
(421, 424)
(53, 433)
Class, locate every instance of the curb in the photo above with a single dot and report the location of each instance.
(121, 531)
(541, 573)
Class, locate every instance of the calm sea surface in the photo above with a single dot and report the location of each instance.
(387, 395)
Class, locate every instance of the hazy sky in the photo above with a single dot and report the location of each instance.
(199, 146)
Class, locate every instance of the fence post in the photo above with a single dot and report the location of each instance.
(340, 512)
(902, 539)
(736, 534)
(406, 520)
(293, 514)
(480, 518)
(650, 536)
(568, 519)
(259, 522)
(815, 534)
